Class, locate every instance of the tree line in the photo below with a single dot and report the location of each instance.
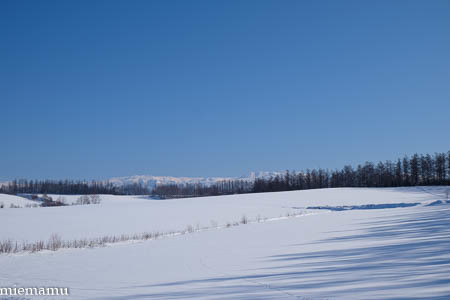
(411, 170)
(227, 187)
(70, 187)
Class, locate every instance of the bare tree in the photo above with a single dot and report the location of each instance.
(83, 200)
(95, 199)
(61, 200)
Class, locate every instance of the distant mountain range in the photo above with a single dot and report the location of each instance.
(151, 181)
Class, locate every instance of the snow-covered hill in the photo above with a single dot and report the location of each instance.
(7, 200)
(151, 181)
(134, 214)
(381, 249)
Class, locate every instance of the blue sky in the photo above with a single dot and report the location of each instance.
(95, 89)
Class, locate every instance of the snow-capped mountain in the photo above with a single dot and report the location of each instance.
(151, 181)
(260, 174)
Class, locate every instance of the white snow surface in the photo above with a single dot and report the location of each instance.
(134, 214)
(7, 200)
(392, 253)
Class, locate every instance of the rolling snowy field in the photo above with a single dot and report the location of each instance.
(378, 243)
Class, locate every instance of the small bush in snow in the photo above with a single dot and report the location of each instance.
(258, 218)
(95, 199)
(14, 206)
(2, 205)
(91, 199)
(83, 200)
(6, 246)
(244, 220)
(50, 203)
(61, 200)
(47, 201)
(46, 197)
(190, 229)
(55, 242)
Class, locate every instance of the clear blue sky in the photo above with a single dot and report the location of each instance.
(94, 89)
